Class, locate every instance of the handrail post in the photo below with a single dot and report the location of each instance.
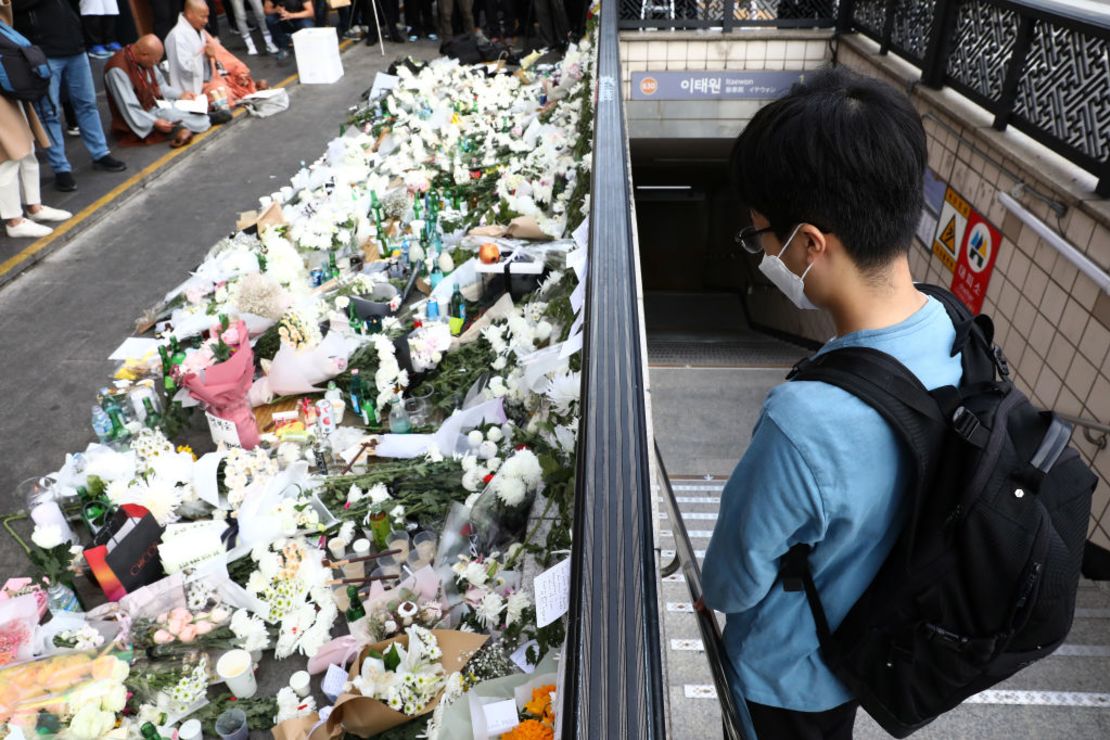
(1014, 70)
(888, 26)
(730, 16)
(844, 16)
(934, 64)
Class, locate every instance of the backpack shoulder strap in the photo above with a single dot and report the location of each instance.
(974, 337)
(899, 397)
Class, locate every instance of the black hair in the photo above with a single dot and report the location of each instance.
(843, 152)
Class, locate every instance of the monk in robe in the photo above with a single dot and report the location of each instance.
(199, 63)
(135, 87)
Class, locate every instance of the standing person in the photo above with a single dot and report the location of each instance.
(99, 20)
(418, 17)
(240, 12)
(19, 170)
(54, 26)
(832, 174)
(164, 15)
(446, 10)
(286, 17)
(391, 16)
(554, 27)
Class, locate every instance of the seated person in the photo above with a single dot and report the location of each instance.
(199, 63)
(284, 17)
(135, 85)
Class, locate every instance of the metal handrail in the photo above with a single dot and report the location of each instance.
(1089, 425)
(612, 660)
(737, 720)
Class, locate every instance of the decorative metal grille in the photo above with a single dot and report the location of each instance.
(1064, 89)
(981, 47)
(869, 16)
(712, 12)
(912, 21)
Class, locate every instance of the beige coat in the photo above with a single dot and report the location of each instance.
(19, 126)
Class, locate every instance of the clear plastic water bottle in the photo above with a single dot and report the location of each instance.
(101, 424)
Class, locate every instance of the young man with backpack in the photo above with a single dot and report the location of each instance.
(876, 543)
(55, 27)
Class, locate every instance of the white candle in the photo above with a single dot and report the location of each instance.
(47, 514)
(236, 669)
(358, 549)
(299, 683)
(337, 546)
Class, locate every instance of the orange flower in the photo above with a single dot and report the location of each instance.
(530, 729)
(540, 706)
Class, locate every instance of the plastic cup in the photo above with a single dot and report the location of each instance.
(399, 540)
(424, 545)
(191, 730)
(389, 565)
(299, 682)
(232, 725)
(236, 669)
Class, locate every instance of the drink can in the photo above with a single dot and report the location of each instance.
(317, 277)
(325, 420)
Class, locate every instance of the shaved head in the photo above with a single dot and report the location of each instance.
(196, 12)
(147, 50)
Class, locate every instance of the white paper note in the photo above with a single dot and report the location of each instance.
(582, 234)
(500, 716)
(571, 346)
(576, 260)
(520, 656)
(333, 682)
(134, 348)
(578, 297)
(552, 593)
(223, 430)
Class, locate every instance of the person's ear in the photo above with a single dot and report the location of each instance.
(816, 243)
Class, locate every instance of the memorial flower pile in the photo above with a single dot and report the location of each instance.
(392, 409)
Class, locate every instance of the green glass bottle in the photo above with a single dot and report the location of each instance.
(149, 731)
(355, 611)
(333, 266)
(153, 419)
(457, 311)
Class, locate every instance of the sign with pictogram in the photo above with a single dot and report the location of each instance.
(951, 226)
(975, 261)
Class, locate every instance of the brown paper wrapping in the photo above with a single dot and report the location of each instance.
(269, 217)
(295, 729)
(521, 227)
(364, 717)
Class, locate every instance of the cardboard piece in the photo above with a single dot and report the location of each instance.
(364, 717)
(272, 216)
(521, 227)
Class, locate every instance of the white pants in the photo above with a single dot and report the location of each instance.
(13, 173)
(241, 18)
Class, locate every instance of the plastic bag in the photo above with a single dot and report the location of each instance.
(18, 619)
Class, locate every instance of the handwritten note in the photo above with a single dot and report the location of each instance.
(552, 593)
(223, 430)
(581, 235)
(334, 681)
(500, 716)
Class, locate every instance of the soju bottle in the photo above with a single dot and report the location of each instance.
(149, 731)
(115, 414)
(353, 319)
(177, 355)
(457, 311)
(333, 267)
(355, 611)
(153, 419)
(354, 390)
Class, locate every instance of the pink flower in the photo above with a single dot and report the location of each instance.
(175, 626)
(231, 336)
(203, 628)
(198, 360)
(195, 295)
(181, 613)
(189, 633)
(161, 637)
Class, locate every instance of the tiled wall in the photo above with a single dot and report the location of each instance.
(1052, 321)
(712, 51)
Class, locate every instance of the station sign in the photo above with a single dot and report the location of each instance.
(702, 85)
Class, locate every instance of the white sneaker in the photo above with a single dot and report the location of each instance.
(251, 50)
(46, 213)
(28, 229)
(270, 47)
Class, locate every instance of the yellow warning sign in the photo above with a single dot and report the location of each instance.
(950, 228)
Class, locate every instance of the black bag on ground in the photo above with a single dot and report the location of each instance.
(24, 71)
(982, 581)
(469, 48)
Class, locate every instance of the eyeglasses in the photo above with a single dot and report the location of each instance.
(749, 239)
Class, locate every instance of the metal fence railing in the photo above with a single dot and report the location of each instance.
(725, 15)
(1040, 66)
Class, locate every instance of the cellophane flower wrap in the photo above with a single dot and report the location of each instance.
(223, 387)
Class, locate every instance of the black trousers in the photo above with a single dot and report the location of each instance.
(774, 723)
(99, 29)
(418, 16)
(165, 14)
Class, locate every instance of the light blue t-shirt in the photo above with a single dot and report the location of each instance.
(825, 469)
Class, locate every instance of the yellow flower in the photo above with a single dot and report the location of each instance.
(187, 448)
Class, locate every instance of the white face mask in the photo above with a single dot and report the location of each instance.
(784, 279)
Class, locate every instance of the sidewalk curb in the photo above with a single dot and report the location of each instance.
(97, 216)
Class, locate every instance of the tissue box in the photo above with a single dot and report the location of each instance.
(317, 51)
(15, 587)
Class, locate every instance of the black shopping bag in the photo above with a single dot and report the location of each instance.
(124, 555)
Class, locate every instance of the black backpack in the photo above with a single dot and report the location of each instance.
(24, 71)
(982, 581)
